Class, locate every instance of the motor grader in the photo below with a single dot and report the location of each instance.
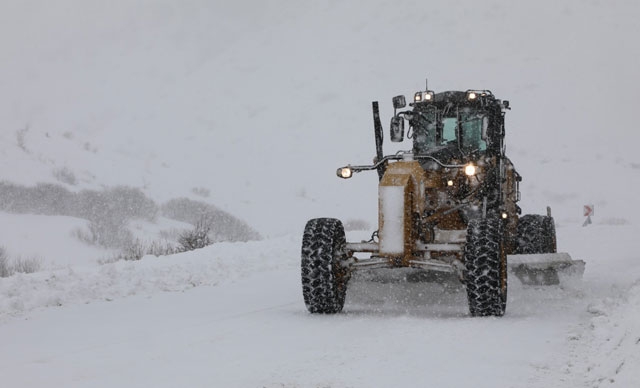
(447, 205)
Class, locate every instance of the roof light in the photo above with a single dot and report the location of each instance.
(471, 96)
(424, 96)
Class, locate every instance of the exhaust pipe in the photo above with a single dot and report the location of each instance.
(377, 127)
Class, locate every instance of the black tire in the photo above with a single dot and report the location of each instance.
(324, 275)
(536, 234)
(486, 268)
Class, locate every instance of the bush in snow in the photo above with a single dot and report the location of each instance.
(137, 249)
(4, 264)
(198, 237)
(26, 265)
(9, 267)
(134, 251)
(161, 248)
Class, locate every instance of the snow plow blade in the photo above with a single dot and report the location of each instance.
(544, 268)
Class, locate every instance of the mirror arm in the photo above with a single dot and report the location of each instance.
(400, 157)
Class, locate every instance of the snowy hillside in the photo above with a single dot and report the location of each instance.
(247, 108)
(260, 102)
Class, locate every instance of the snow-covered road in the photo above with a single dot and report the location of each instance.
(255, 332)
(248, 328)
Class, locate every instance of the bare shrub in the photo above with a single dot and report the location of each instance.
(198, 237)
(5, 267)
(27, 265)
(137, 249)
(134, 251)
(10, 267)
(65, 175)
(161, 248)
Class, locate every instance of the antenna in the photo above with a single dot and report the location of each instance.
(426, 84)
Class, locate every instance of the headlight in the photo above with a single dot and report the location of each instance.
(345, 172)
(424, 96)
(473, 95)
(470, 170)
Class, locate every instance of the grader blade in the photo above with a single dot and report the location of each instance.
(544, 268)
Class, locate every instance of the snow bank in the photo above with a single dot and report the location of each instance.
(219, 263)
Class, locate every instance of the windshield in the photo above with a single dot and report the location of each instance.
(460, 127)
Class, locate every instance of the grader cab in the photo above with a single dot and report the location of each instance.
(447, 205)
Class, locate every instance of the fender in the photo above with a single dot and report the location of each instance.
(401, 198)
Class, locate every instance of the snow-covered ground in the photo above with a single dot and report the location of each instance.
(232, 315)
(250, 106)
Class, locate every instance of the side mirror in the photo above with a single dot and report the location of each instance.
(505, 103)
(397, 129)
(399, 102)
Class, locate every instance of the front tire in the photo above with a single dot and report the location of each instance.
(324, 274)
(486, 268)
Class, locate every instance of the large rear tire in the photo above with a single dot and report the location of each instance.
(486, 268)
(324, 273)
(536, 234)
